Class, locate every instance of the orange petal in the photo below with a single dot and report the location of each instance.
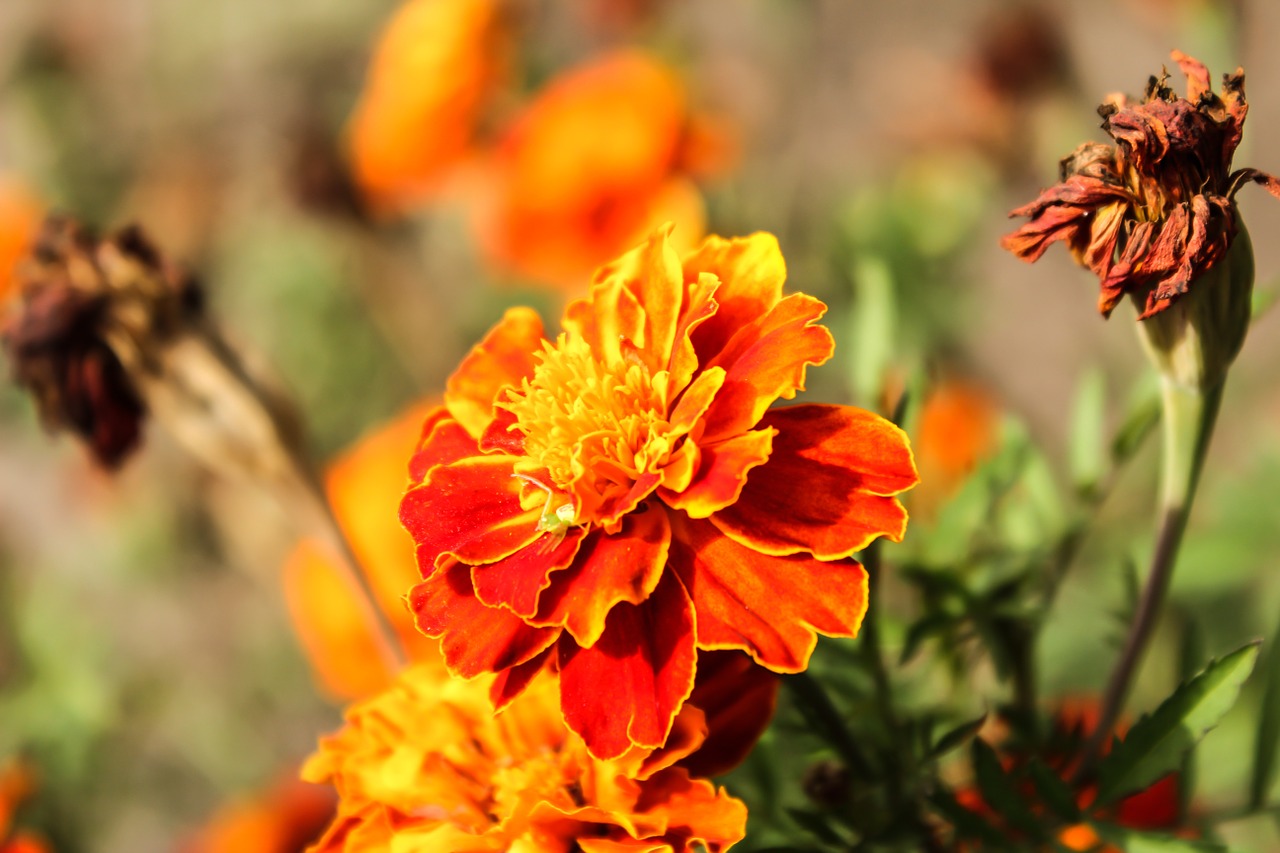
(751, 272)
(334, 630)
(651, 275)
(511, 682)
(516, 581)
(696, 810)
(364, 487)
(766, 360)
(502, 359)
(469, 509)
(770, 607)
(475, 638)
(699, 307)
(628, 687)
(609, 571)
(722, 473)
(827, 486)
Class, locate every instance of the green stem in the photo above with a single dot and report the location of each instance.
(1188, 418)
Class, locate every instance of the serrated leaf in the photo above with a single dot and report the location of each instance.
(1155, 745)
(999, 791)
(828, 723)
(1132, 841)
(956, 737)
(1267, 737)
(1087, 456)
(816, 825)
(967, 824)
(1053, 791)
(921, 631)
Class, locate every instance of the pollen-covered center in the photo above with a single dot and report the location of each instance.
(591, 426)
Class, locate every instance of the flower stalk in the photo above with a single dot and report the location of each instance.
(1188, 415)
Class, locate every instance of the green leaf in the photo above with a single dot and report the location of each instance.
(1155, 745)
(1053, 791)
(1087, 456)
(1148, 842)
(1142, 418)
(999, 791)
(1268, 735)
(821, 714)
(956, 737)
(816, 825)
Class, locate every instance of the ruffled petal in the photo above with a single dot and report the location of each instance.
(765, 361)
(515, 582)
(471, 510)
(474, 638)
(627, 688)
(751, 273)
(827, 487)
(770, 607)
(721, 474)
(511, 682)
(609, 570)
(502, 359)
(454, 443)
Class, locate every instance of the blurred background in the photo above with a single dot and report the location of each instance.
(360, 208)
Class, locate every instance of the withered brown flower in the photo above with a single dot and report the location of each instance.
(1155, 211)
(86, 309)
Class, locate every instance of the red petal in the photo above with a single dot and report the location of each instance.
(499, 435)
(443, 441)
(469, 509)
(474, 638)
(511, 682)
(827, 486)
(502, 359)
(738, 698)
(516, 581)
(721, 474)
(767, 606)
(766, 360)
(610, 570)
(628, 687)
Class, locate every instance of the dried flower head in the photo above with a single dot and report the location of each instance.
(1154, 214)
(613, 499)
(427, 766)
(90, 313)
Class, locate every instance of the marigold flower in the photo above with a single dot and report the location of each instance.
(959, 427)
(1155, 211)
(616, 499)
(285, 819)
(598, 160)
(1158, 807)
(430, 75)
(427, 766)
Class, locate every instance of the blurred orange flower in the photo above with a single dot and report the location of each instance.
(615, 499)
(431, 72)
(427, 766)
(20, 218)
(16, 784)
(596, 162)
(286, 819)
(1158, 807)
(364, 488)
(958, 428)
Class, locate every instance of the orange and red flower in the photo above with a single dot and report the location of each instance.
(428, 766)
(428, 81)
(1158, 807)
(16, 784)
(599, 159)
(1155, 211)
(614, 500)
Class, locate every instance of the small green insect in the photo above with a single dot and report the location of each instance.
(557, 522)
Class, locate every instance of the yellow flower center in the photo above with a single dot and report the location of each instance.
(594, 427)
